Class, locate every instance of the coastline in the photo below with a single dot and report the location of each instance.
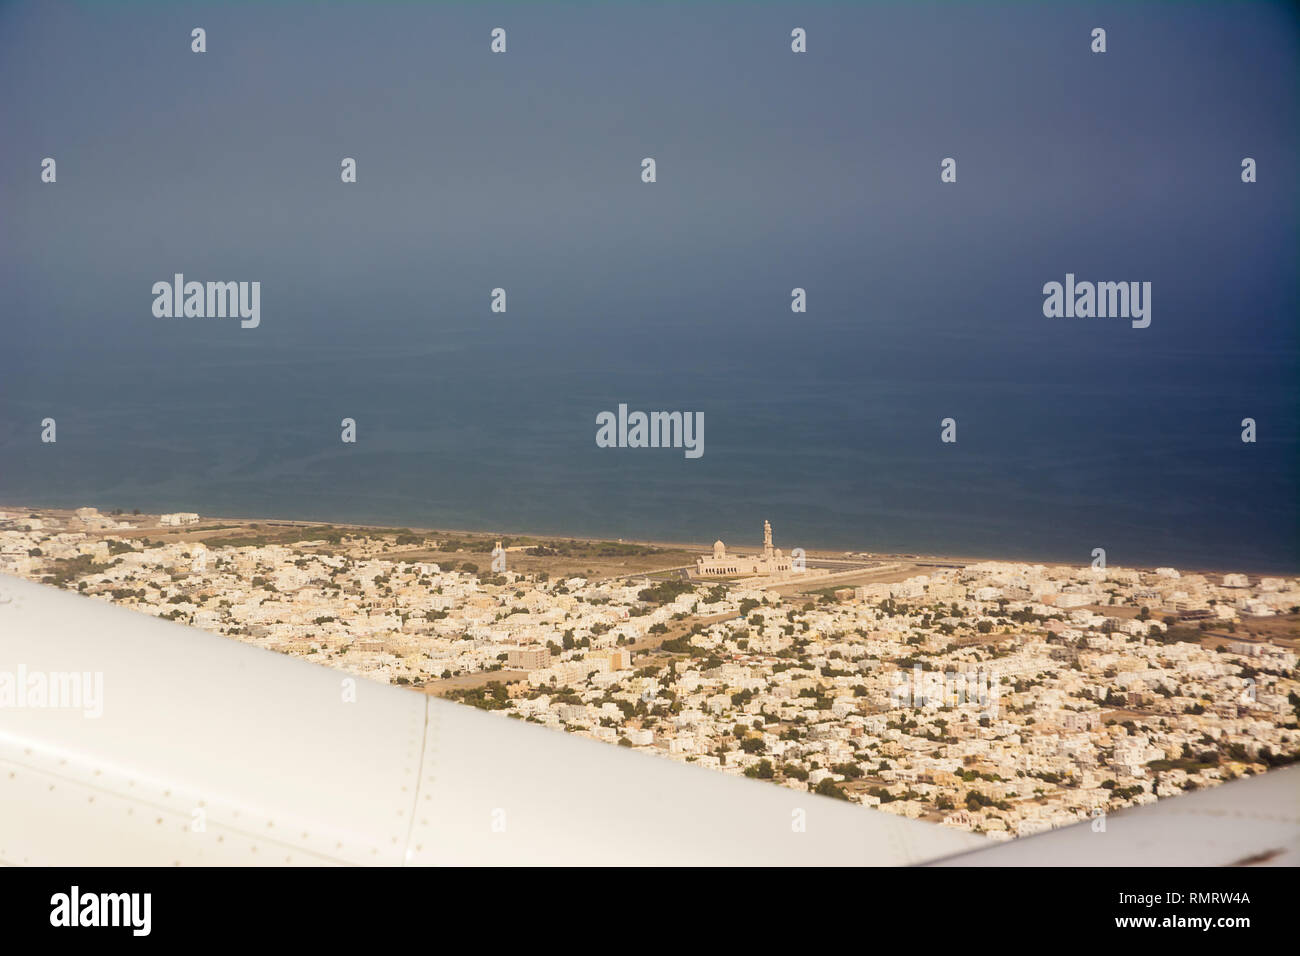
(699, 547)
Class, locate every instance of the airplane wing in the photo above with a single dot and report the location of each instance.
(1249, 822)
(213, 752)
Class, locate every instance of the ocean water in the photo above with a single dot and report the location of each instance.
(774, 171)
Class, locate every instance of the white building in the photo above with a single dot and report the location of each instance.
(179, 518)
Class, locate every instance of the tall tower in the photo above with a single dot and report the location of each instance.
(767, 539)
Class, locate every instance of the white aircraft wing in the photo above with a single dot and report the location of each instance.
(212, 752)
(1254, 821)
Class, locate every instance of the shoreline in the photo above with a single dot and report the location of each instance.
(697, 547)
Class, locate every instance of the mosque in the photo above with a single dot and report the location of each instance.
(721, 564)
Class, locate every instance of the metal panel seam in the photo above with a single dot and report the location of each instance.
(419, 782)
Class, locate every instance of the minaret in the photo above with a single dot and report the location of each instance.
(767, 539)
